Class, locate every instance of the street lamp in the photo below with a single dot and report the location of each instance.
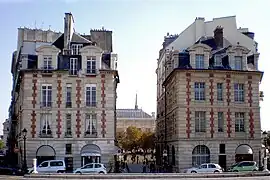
(24, 133)
(165, 154)
(265, 134)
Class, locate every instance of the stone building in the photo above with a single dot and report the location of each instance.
(208, 96)
(64, 94)
(135, 117)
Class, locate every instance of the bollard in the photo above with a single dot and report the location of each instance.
(35, 166)
(265, 165)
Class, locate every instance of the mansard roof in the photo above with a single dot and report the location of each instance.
(132, 113)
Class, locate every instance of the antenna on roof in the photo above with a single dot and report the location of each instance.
(136, 102)
(42, 25)
(35, 24)
(49, 27)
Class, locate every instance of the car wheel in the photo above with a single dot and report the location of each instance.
(255, 170)
(78, 172)
(101, 172)
(60, 171)
(216, 171)
(235, 171)
(193, 172)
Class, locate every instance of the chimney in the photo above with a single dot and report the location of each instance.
(68, 29)
(218, 36)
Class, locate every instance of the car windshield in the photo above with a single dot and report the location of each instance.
(235, 164)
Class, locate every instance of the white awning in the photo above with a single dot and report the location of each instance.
(244, 149)
(45, 151)
(90, 154)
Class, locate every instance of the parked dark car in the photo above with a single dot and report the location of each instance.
(5, 170)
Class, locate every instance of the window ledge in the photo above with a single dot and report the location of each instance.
(93, 135)
(41, 135)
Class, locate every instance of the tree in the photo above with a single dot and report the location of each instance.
(2, 144)
(130, 139)
(147, 141)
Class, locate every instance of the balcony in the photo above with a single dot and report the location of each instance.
(46, 104)
(91, 104)
(45, 134)
(47, 69)
(68, 134)
(89, 71)
(68, 104)
(73, 72)
(89, 134)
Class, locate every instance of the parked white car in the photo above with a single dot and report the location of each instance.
(205, 168)
(97, 168)
(52, 166)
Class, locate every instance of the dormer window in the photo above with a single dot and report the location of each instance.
(73, 66)
(47, 62)
(75, 48)
(199, 61)
(238, 63)
(91, 65)
(218, 60)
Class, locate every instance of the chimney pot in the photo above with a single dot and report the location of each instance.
(218, 36)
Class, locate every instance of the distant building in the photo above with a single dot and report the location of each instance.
(135, 117)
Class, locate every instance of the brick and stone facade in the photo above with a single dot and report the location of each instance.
(202, 116)
(67, 100)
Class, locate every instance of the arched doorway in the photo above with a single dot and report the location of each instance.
(243, 153)
(90, 153)
(200, 155)
(173, 155)
(45, 153)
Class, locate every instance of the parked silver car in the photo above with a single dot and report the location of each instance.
(52, 166)
(97, 168)
(205, 168)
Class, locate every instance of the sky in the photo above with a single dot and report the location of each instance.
(139, 27)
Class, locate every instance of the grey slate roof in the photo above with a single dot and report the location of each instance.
(132, 113)
(79, 39)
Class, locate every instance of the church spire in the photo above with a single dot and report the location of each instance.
(136, 103)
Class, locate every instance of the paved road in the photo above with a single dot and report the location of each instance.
(136, 168)
(10, 177)
(237, 178)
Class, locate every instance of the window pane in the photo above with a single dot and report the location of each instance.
(220, 122)
(238, 63)
(199, 61)
(219, 92)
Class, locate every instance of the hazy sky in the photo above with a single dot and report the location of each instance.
(138, 28)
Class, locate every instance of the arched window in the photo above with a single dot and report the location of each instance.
(200, 155)
(173, 155)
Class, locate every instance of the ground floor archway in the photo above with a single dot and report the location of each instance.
(45, 153)
(90, 153)
(243, 153)
(200, 155)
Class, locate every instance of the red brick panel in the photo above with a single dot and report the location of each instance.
(34, 102)
(188, 99)
(78, 102)
(228, 87)
(103, 104)
(211, 93)
(59, 102)
(250, 101)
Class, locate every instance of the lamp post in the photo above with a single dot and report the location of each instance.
(165, 154)
(24, 133)
(265, 146)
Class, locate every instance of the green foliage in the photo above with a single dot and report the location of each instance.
(2, 144)
(133, 139)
